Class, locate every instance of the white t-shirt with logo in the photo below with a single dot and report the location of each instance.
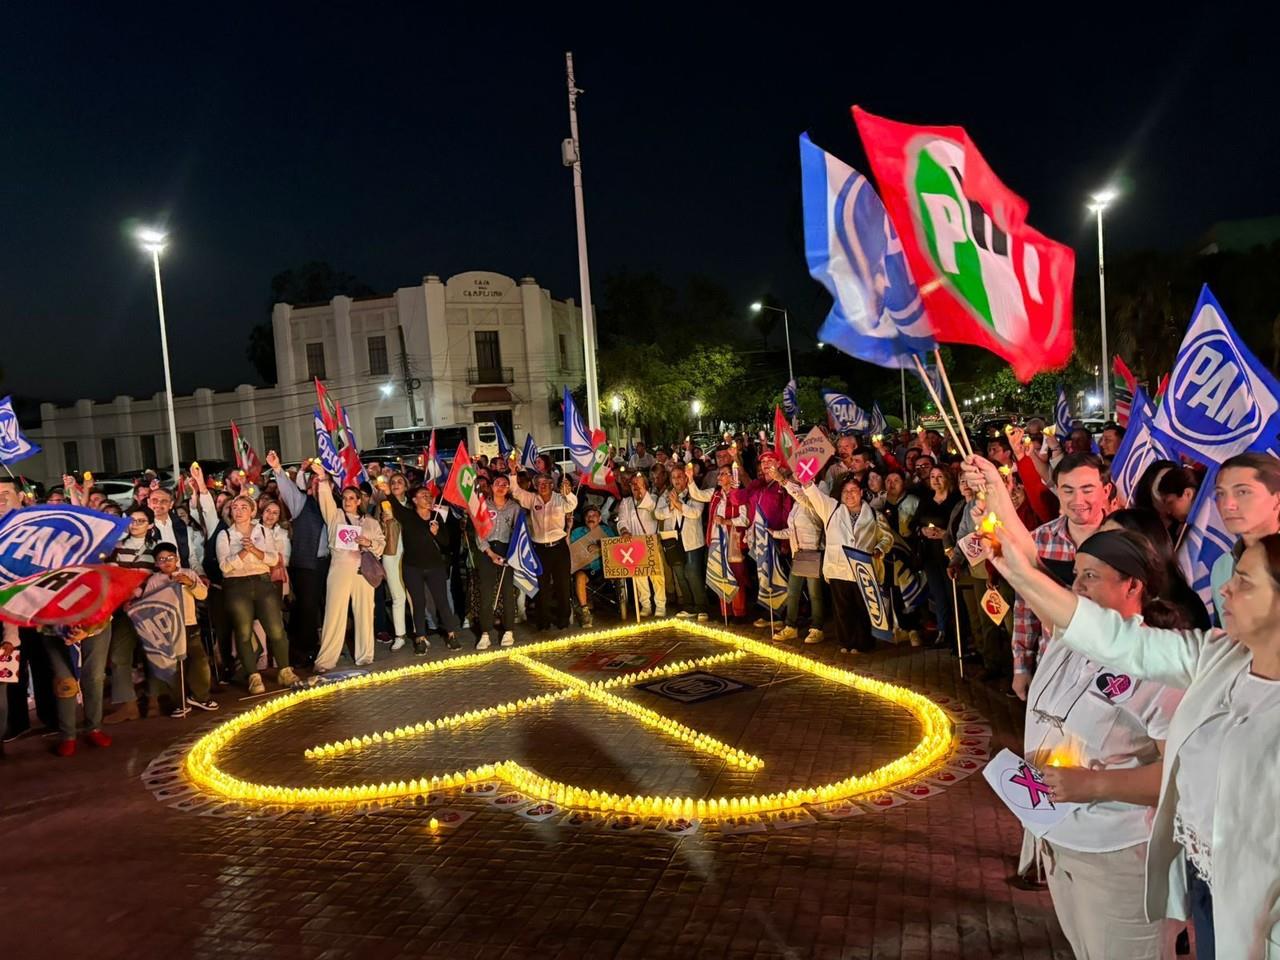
(1082, 714)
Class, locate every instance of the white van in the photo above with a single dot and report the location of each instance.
(480, 438)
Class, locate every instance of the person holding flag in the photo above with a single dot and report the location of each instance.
(427, 541)
(549, 512)
(529, 454)
(309, 557)
(637, 517)
(804, 537)
(351, 534)
(726, 532)
(523, 562)
(497, 585)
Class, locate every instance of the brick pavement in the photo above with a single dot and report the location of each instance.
(95, 863)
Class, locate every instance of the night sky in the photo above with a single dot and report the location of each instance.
(396, 146)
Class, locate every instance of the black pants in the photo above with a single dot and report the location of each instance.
(494, 580)
(33, 667)
(308, 587)
(554, 584)
(255, 598)
(853, 623)
(417, 582)
(220, 625)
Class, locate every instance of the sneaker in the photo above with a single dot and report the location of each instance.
(483, 642)
(684, 615)
(177, 713)
(122, 714)
(98, 738)
(206, 705)
(814, 636)
(660, 612)
(365, 662)
(646, 611)
(65, 748)
(451, 641)
(383, 638)
(508, 639)
(255, 684)
(397, 644)
(584, 617)
(914, 638)
(466, 623)
(703, 618)
(286, 677)
(420, 645)
(785, 634)
(762, 622)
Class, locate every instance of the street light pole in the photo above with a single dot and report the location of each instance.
(153, 241)
(1100, 202)
(571, 156)
(786, 330)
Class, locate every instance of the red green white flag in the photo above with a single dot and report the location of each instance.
(246, 457)
(78, 595)
(986, 277)
(784, 438)
(460, 490)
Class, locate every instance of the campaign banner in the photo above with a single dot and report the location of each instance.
(812, 456)
(631, 557)
(1021, 788)
(48, 536)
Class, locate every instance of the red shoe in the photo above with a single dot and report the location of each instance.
(65, 748)
(98, 738)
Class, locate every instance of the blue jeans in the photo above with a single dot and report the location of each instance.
(795, 585)
(93, 671)
(1201, 913)
(940, 595)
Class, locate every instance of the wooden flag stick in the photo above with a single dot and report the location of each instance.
(937, 401)
(967, 449)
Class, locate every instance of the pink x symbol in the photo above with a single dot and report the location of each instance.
(1036, 788)
(806, 468)
(1117, 686)
(624, 555)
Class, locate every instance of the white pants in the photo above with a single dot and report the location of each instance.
(395, 586)
(652, 594)
(345, 584)
(1100, 902)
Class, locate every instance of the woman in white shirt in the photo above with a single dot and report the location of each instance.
(345, 583)
(636, 518)
(1214, 845)
(246, 553)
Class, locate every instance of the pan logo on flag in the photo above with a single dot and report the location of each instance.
(49, 537)
(9, 442)
(965, 244)
(1218, 399)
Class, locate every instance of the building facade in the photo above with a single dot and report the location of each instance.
(478, 347)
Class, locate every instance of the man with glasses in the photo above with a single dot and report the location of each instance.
(166, 527)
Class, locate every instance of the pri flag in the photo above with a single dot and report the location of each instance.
(1138, 450)
(529, 455)
(524, 563)
(784, 438)
(1123, 389)
(49, 536)
(460, 490)
(1220, 400)
(985, 276)
(157, 617)
(69, 596)
(246, 457)
(845, 415)
(854, 251)
(14, 446)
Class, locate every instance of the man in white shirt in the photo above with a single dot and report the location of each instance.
(167, 528)
(549, 514)
(681, 518)
(636, 518)
(642, 459)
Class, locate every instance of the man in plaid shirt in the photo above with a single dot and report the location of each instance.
(1084, 491)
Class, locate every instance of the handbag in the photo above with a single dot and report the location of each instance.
(371, 569)
(807, 563)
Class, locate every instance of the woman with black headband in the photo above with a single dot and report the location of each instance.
(1214, 851)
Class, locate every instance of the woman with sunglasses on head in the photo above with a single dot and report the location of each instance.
(246, 553)
(1214, 850)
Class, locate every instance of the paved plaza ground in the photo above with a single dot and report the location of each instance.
(102, 860)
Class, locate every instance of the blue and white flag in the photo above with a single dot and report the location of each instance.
(1062, 415)
(790, 399)
(864, 575)
(719, 577)
(49, 536)
(758, 538)
(14, 446)
(854, 251)
(1220, 400)
(576, 437)
(879, 425)
(161, 626)
(845, 415)
(504, 445)
(1138, 450)
(524, 563)
(772, 592)
(1205, 540)
(325, 450)
(529, 455)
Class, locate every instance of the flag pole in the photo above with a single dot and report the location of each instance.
(942, 410)
(967, 449)
(497, 595)
(955, 615)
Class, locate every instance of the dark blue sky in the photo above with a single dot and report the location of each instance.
(398, 145)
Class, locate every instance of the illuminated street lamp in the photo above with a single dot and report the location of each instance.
(786, 329)
(153, 242)
(1100, 201)
(696, 407)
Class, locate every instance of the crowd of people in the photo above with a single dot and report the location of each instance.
(1133, 702)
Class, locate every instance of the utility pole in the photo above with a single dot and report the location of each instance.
(571, 156)
(410, 383)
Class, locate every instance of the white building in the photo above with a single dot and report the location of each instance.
(479, 347)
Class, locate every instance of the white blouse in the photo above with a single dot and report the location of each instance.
(230, 543)
(1083, 714)
(1197, 778)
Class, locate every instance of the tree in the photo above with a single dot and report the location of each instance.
(313, 282)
